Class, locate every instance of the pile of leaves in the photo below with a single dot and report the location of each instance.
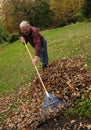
(67, 79)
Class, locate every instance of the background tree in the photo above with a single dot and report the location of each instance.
(36, 12)
(13, 12)
(87, 8)
(65, 11)
(41, 14)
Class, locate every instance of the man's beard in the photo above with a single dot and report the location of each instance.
(27, 33)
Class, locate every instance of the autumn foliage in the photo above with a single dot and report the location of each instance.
(40, 13)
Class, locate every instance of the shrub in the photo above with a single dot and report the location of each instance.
(80, 17)
(13, 37)
(3, 35)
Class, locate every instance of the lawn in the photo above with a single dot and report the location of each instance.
(16, 69)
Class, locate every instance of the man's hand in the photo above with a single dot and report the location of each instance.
(23, 40)
(35, 60)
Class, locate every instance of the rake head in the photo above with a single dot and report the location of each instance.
(51, 100)
(52, 105)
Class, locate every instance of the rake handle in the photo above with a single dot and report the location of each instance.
(36, 69)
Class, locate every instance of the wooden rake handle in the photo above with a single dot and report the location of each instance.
(36, 69)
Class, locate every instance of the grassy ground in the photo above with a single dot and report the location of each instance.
(16, 69)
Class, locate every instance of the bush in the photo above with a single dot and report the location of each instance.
(87, 8)
(13, 37)
(41, 17)
(80, 17)
(3, 35)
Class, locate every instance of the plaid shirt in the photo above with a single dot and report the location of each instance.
(34, 38)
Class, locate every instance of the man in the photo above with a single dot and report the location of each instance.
(30, 34)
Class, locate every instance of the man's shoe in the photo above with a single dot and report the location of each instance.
(44, 67)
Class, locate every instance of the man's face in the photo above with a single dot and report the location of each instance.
(25, 30)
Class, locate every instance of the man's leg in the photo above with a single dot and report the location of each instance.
(44, 55)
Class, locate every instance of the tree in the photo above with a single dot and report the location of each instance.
(13, 12)
(41, 14)
(65, 10)
(87, 8)
(36, 12)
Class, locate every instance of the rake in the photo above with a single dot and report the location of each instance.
(49, 100)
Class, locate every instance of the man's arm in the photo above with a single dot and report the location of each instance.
(35, 60)
(37, 41)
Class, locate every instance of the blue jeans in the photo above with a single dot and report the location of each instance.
(44, 54)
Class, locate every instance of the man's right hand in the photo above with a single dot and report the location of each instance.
(23, 40)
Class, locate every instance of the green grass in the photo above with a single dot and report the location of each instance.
(16, 69)
(81, 109)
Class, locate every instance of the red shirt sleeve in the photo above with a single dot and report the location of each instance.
(37, 42)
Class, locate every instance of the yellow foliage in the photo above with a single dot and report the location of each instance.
(65, 9)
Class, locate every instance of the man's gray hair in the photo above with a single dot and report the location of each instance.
(24, 23)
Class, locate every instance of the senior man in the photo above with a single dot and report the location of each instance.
(38, 42)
